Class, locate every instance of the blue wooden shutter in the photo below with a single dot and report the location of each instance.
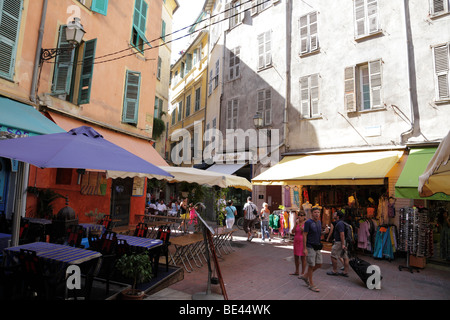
(100, 6)
(87, 71)
(10, 14)
(63, 65)
(131, 99)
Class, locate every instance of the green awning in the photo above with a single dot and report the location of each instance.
(22, 119)
(406, 186)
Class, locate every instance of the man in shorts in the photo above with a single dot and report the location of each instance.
(339, 249)
(311, 242)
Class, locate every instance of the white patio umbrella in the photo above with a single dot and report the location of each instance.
(436, 177)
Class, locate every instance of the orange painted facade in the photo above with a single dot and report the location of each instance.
(113, 33)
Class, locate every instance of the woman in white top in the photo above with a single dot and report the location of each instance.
(264, 215)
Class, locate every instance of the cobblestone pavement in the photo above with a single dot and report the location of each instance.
(261, 271)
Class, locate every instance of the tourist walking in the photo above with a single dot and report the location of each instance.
(184, 214)
(299, 252)
(339, 248)
(264, 215)
(250, 216)
(311, 240)
(230, 214)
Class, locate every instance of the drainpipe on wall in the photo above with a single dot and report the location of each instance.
(37, 57)
(288, 74)
(23, 171)
(414, 131)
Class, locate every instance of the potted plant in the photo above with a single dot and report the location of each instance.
(45, 198)
(137, 267)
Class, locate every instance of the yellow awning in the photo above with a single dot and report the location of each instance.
(352, 168)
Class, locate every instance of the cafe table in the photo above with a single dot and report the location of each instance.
(58, 257)
(56, 253)
(140, 243)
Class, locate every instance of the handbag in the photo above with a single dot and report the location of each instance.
(317, 246)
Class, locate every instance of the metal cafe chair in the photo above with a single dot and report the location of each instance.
(75, 236)
(141, 230)
(163, 234)
(106, 221)
(36, 277)
(107, 246)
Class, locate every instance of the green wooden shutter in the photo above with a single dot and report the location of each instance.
(131, 99)
(158, 72)
(87, 72)
(100, 6)
(163, 31)
(10, 14)
(140, 15)
(62, 76)
(139, 24)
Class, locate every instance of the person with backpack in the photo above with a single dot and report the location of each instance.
(340, 246)
(250, 216)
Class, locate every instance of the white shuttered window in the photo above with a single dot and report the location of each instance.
(264, 49)
(439, 6)
(265, 105)
(309, 96)
(363, 84)
(232, 113)
(234, 64)
(309, 40)
(366, 17)
(441, 57)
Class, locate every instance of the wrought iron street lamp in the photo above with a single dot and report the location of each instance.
(74, 35)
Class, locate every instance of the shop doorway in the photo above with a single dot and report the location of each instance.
(273, 194)
(120, 200)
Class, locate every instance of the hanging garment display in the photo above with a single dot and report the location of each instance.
(391, 207)
(326, 217)
(364, 241)
(287, 196)
(385, 242)
(296, 197)
(305, 194)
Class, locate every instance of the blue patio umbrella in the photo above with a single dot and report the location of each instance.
(80, 148)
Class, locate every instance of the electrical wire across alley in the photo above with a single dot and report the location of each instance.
(179, 38)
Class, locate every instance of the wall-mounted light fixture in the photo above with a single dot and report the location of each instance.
(74, 35)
